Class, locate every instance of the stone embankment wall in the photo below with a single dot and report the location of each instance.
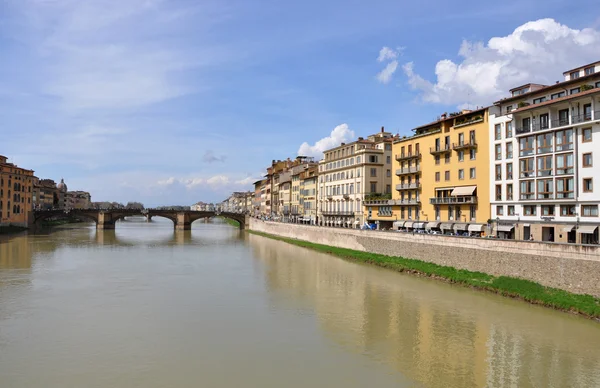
(574, 268)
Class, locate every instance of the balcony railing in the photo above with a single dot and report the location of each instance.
(337, 213)
(408, 186)
(582, 118)
(408, 170)
(412, 201)
(439, 150)
(408, 155)
(559, 122)
(384, 214)
(452, 200)
(464, 146)
(540, 126)
(376, 202)
(521, 130)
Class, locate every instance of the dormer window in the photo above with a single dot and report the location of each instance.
(574, 75)
(589, 70)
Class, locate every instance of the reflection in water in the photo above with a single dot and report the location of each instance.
(144, 305)
(434, 333)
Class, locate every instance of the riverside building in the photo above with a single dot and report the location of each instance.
(354, 175)
(545, 140)
(308, 195)
(16, 189)
(441, 179)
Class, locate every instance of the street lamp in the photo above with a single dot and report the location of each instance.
(497, 232)
(517, 226)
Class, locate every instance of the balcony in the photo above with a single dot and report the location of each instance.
(471, 199)
(408, 156)
(521, 130)
(377, 202)
(540, 126)
(384, 214)
(559, 122)
(408, 186)
(411, 201)
(439, 150)
(408, 170)
(337, 213)
(582, 118)
(464, 146)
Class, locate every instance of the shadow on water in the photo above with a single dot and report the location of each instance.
(435, 333)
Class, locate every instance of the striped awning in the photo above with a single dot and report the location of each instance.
(433, 225)
(408, 224)
(464, 190)
(419, 225)
(568, 228)
(476, 227)
(446, 225)
(587, 229)
(398, 224)
(460, 226)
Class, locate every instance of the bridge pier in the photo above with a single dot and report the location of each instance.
(105, 221)
(183, 221)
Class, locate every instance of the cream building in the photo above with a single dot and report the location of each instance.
(308, 195)
(349, 175)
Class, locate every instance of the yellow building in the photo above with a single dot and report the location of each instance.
(308, 195)
(441, 179)
(16, 187)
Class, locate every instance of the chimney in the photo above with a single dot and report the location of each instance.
(382, 129)
(343, 144)
(444, 115)
(361, 138)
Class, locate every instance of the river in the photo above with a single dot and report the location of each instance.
(144, 306)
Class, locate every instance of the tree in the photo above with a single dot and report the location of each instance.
(134, 205)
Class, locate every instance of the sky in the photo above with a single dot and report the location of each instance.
(178, 101)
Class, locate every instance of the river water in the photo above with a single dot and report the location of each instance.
(144, 306)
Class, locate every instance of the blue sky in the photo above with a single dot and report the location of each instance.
(176, 101)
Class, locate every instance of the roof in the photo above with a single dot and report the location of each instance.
(450, 118)
(529, 84)
(565, 98)
(545, 89)
(581, 67)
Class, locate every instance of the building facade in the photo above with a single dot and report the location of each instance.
(544, 145)
(351, 174)
(78, 200)
(16, 191)
(441, 180)
(46, 195)
(308, 195)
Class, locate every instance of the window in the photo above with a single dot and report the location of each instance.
(547, 210)
(388, 159)
(574, 90)
(498, 172)
(461, 174)
(538, 100)
(526, 168)
(437, 212)
(587, 159)
(587, 112)
(447, 158)
(509, 171)
(557, 95)
(472, 153)
(373, 159)
(527, 190)
(373, 187)
(373, 172)
(529, 210)
(437, 176)
(461, 138)
(545, 189)
(447, 175)
(526, 146)
(574, 75)
(598, 84)
(588, 186)
(587, 135)
(461, 156)
(564, 188)
(509, 150)
(388, 173)
(357, 159)
(498, 151)
(472, 173)
(544, 143)
(388, 189)
(509, 129)
(437, 159)
(509, 192)
(589, 210)
(567, 210)
(510, 210)
(563, 117)
(588, 70)
(509, 109)
(498, 131)
(564, 164)
(473, 212)
(499, 210)
(544, 165)
(498, 192)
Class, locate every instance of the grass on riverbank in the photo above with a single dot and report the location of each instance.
(10, 229)
(231, 222)
(63, 221)
(529, 291)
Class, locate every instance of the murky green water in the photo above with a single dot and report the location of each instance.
(144, 306)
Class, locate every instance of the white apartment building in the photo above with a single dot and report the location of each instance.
(543, 145)
(348, 174)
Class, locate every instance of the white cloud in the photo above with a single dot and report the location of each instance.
(210, 157)
(538, 52)
(340, 134)
(218, 180)
(385, 75)
(246, 181)
(386, 53)
(166, 182)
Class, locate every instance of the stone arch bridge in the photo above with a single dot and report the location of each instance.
(106, 219)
